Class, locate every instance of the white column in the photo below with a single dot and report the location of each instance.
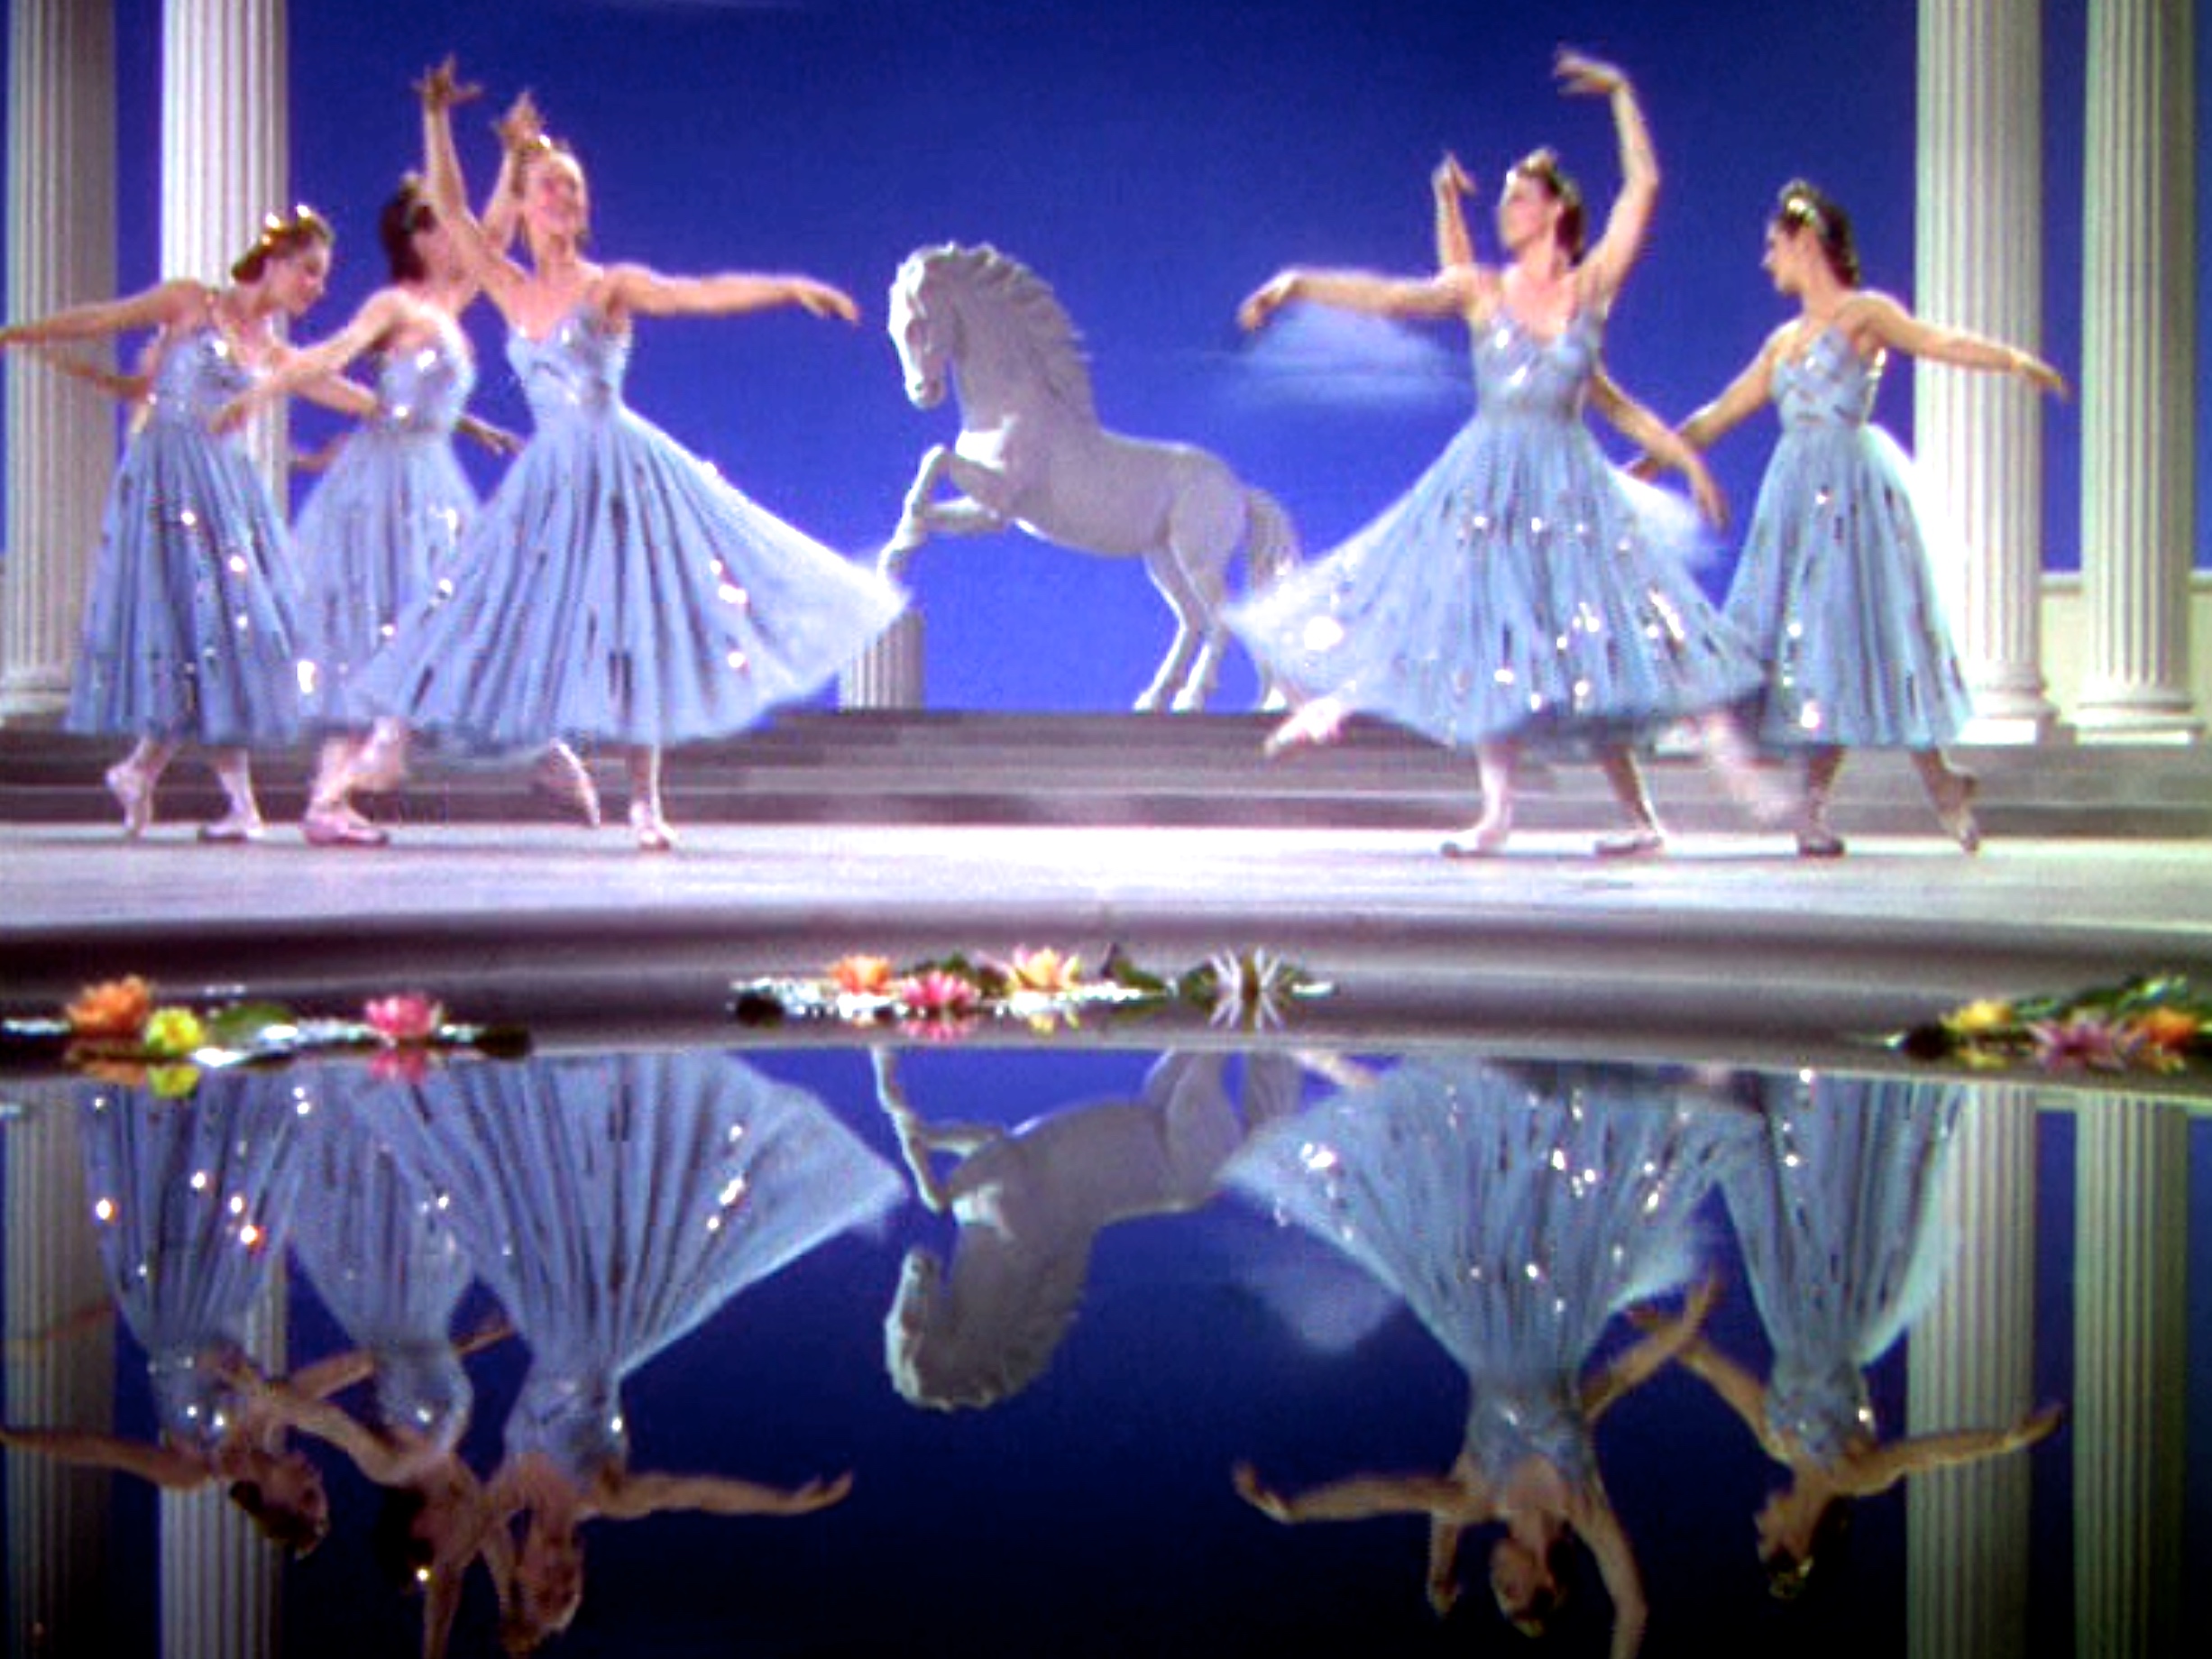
(1970, 1364)
(222, 1584)
(58, 1376)
(889, 673)
(2131, 1375)
(2139, 370)
(1978, 264)
(60, 252)
(225, 161)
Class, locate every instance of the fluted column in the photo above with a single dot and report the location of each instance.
(2131, 1375)
(222, 1581)
(60, 252)
(1978, 264)
(1970, 1364)
(889, 673)
(58, 1376)
(2139, 370)
(225, 161)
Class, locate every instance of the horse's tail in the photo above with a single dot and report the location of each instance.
(1272, 550)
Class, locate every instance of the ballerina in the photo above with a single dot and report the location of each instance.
(385, 521)
(189, 628)
(1845, 1243)
(1516, 1215)
(1836, 587)
(614, 587)
(1522, 587)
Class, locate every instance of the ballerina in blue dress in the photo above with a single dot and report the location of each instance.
(1522, 588)
(613, 1205)
(1516, 1215)
(615, 588)
(1843, 1225)
(1836, 587)
(190, 632)
(386, 522)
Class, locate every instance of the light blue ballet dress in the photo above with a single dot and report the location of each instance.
(384, 523)
(1835, 589)
(1522, 587)
(617, 588)
(189, 631)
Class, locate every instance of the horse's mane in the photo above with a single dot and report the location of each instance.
(1024, 296)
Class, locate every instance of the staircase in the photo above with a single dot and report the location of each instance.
(942, 767)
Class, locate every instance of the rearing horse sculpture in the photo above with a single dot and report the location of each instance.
(1031, 454)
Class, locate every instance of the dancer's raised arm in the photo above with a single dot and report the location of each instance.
(1607, 263)
(1449, 183)
(483, 259)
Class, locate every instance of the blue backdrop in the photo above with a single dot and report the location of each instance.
(1154, 162)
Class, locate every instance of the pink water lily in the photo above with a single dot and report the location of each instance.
(409, 1017)
(2084, 1041)
(939, 992)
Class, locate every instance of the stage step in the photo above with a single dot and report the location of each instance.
(949, 767)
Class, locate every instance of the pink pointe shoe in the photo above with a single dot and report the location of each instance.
(134, 792)
(1644, 841)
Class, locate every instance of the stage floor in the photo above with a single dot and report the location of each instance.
(1729, 945)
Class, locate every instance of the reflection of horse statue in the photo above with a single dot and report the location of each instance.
(1031, 454)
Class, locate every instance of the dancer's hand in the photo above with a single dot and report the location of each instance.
(2039, 374)
(820, 299)
(1278, 291)
(1246, 1480)
(497, 439)
(817, 1494)
(1451, 178)
(233, 415)
(441, 87)
(521, 126)
(1586, 77)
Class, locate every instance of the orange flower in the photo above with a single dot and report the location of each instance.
(117, 1009)
(862, 975)
(2167, 1029)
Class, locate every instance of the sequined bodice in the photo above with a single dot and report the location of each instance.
(1828, 384)
(425, 387)
(199, 373)
(1511, 1422)
(1518, 372)
(576, 371)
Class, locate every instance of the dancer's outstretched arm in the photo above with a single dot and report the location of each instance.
(625, 1498)
(1878, 1471)
(163, 306)
(1739, 400)
(1666, 1336)
(634, 287)
(1356, 1497)
(1448, 293)
(1659, 441)
(1878, 317)
(157, 1465)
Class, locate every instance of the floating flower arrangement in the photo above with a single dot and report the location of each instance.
(1045, 989)
(2156, 1023)
(122, 1031)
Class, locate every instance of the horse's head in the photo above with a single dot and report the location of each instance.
(924, 326)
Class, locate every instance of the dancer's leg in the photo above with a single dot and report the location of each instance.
(242, 820)
(1645, 833)
(1729, 751)
(1952, 792)
(646, 821)
(1815, 837)
(330, 820)
(1495, 764)
(132, 780)
(562, 776)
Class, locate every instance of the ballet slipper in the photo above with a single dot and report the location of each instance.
(1479, 839)
(562, 777)
(134, 792)
(1644, 841)
(238, 824)
(652, 830)
(1319, 722)
(336, 826)
(1819, 841)
(1954, 810)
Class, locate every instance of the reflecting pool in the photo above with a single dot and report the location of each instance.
(808, 1347)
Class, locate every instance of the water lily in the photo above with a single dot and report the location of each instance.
(2082, 1041)
(860, 975)
(172, 1033)
(1984, 1017)
(1043, 969)
(115, 1009)
(2169, 1031)
(1248, 989)
(400, 1063)
(173, 1082)
(409, 1017)
(937, 992)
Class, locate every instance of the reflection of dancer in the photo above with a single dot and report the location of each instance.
(1835, 586)
(1522, 587)
(1845, 1243)
(191, 1199)
(384, 522)
(613, 1205)
(1516, 1218)
(1030, 1202)
(614, 587)
(188, 633)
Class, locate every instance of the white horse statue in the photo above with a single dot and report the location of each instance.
(1031, 454)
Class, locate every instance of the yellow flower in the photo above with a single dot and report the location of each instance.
(172, 1033)
(1981, 1018)
(173, 1082)
(1043, 970)
(862, 975)
(117, 1008)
